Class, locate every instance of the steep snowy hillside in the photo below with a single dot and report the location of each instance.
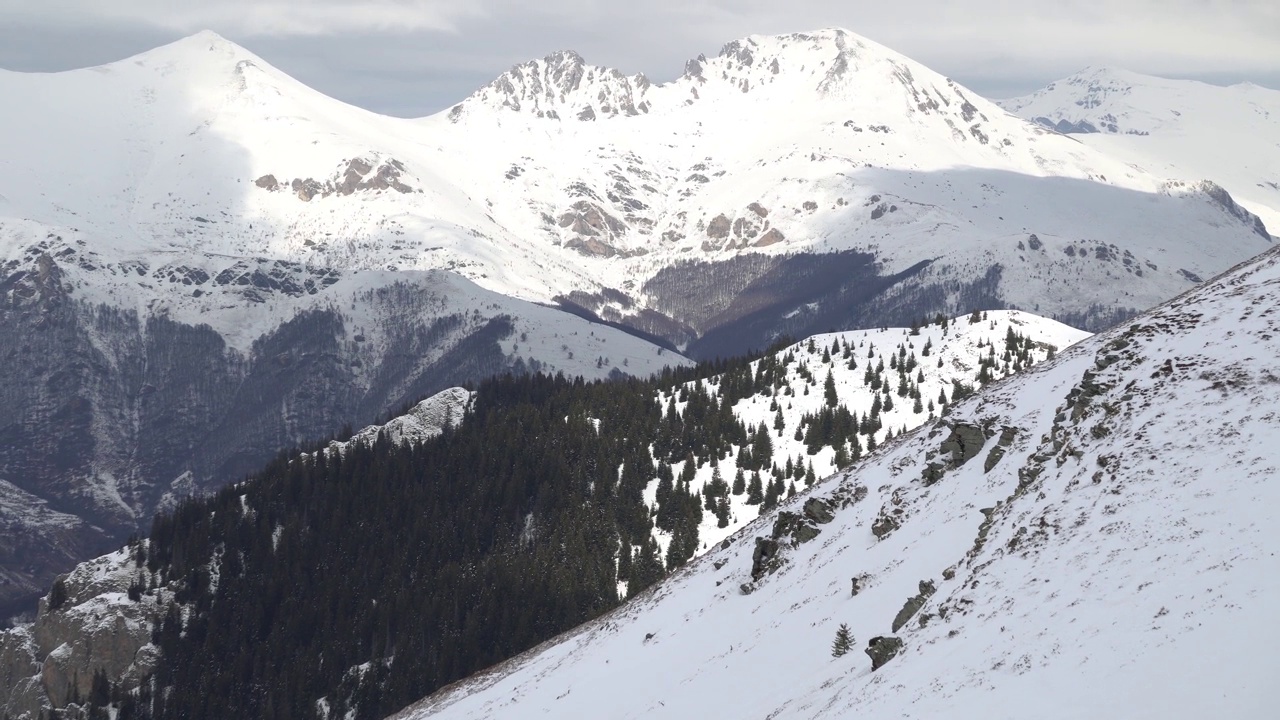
(1175, 128)
(1096, 537)
(802, 427)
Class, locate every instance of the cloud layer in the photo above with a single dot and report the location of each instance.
(411, 56)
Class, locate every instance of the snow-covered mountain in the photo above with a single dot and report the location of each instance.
(1176, 128)
(1095, 537)
(202, 260)
(165, 172)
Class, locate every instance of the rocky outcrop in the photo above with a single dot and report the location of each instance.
(964, 443)
(913, 604)
(789, 529)
(772, 236)
(882, 649)
(21, 694)
(103, 625)
(884, 524)
(765, 558)
(819, 511)
(718, 228)
(357, 175)
(997, 452)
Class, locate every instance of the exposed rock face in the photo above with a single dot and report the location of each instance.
(913, 605)
(46, 664)
(21, 693)
(763, 560)
(718, 228)
(1006, 439)
(964, 443)
(357, 175)
(790, 528)
(883, 525)
(772, 236)
(819, 511)
(882, 649)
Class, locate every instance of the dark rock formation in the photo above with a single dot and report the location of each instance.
(964, 443)
(884, 524)
(819, 511)
(765, 558)
(997, 452)
(913, 605)
(882, 649)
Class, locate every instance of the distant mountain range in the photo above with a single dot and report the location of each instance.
(1175, 128)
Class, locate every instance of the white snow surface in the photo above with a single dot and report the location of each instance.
(1129, 569)
(424, 421)
(1175, 128)
(200, 156)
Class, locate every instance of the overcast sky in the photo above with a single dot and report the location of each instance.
(414, 57)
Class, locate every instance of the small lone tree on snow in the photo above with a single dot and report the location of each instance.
(843, 642)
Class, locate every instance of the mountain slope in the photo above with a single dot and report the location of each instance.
(1175, 128)
(1118, 558)
(882, 383)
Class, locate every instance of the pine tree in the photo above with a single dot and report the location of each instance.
(829, 389)
(755, 490)
(843, 642)
(739, 483)
(58, 595)
(722, 512)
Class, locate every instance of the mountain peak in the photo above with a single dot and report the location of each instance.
(562, 85)
(195, 47)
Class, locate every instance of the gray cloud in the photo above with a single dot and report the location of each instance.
(411, 57)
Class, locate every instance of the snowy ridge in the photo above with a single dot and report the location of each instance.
(424, 421)
(940, 356)
(1116, 558)
(1177, 128)
(560, 83)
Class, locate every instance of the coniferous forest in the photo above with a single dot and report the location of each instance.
(367, 579)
